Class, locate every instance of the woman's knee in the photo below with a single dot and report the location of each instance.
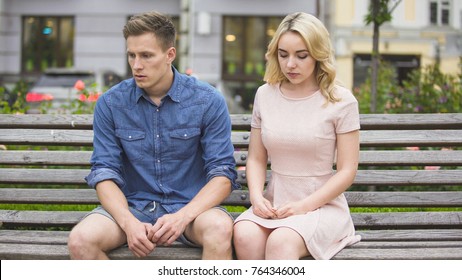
(285, 243)
(249, 240)
(241, 232)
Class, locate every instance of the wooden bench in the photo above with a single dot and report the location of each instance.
(406, 203)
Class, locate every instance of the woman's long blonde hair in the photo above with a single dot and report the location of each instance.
(317, 40)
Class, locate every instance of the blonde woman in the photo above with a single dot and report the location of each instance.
(301, 121)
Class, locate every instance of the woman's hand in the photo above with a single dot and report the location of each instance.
(262, 208)
(290, 209)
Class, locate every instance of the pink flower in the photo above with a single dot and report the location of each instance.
(79, 85)
(432, 167)
(412, 148)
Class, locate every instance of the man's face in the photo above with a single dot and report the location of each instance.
(151, 66)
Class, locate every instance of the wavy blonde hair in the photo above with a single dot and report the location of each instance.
(317, 41)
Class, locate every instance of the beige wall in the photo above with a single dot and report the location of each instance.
(351, 35)
(425, 50)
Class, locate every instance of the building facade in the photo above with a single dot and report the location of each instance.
(421, 32)
(222, 41)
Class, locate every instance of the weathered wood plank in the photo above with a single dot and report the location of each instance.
(241, 198)
(407, 220)
(405, 138)
(394, 220)
(242, 121)
(353, 253)
(411, 121)
(366, 158)
(371, 138)
(19, 251)
(367, 236)
(399, 235)
(410, 158)
(408, 244)
(43, 121)
(60, 158)
(404, 199)
(363, 177)
(46, 137)
(54, 252)
(41, 218)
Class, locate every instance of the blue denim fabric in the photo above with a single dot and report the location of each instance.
(163, 153)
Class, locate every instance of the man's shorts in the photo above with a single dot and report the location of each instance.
(150, 214)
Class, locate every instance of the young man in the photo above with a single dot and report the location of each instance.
(163, 158)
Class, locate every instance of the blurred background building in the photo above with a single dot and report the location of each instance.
(222, 41)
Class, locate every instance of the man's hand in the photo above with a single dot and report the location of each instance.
(137, 239)
(167, 229)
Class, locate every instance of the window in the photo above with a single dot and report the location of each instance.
(404, 65)
(47, 42)
(245, 40)
(439, 12)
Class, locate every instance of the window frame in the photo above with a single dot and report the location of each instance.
(34, 52)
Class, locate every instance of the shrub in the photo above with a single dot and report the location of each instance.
(426, 90)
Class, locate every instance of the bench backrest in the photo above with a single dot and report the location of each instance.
(406, 160)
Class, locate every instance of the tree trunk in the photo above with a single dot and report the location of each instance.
(375, 56)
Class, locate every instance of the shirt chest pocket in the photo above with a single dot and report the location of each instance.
(184, 142)
(133, 142)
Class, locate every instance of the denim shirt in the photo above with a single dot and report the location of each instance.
(163, 153)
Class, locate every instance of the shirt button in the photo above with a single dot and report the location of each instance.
(129, 137)
(158, 160)
(157, 135)
(185, 135)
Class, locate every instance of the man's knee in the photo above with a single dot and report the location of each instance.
(77, 244)
(215, 227)
(93, 236)
(220, 228)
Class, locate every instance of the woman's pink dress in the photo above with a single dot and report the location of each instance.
(300, 137)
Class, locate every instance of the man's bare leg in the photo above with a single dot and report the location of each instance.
(212, 229)
(94, 236)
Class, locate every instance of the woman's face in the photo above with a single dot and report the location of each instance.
(294, 59)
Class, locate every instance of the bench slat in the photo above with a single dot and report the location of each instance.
(353, 253)
(19, 251)
(366, 158)
(61, 158)
(43, 121)
(408, 244)
(411, 121)
(367, 236)
(242, 121)
(54, 252)
(363, 177)
(394, 220)
(46, 137)
(407, 220)
(411, 235)
(240, 198)
(373, 138)
(404, 138)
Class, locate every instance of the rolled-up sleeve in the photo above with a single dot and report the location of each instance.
(227, 172)
(103, 174)
(106, 161)
(216, 142)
